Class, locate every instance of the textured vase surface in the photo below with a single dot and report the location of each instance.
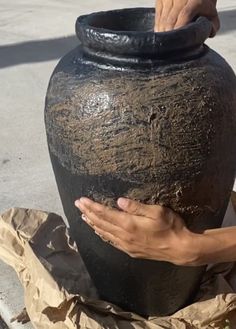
(149, 116)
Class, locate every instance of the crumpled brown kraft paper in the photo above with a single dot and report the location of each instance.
(59, 293)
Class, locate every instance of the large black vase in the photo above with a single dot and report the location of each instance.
(150, 116)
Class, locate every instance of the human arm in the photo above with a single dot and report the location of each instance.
(157, 233)
(217, 246)
(173, 14)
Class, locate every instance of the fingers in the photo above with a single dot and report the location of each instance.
(167, 13)
(173, 14)
(159, 6)
(195, 8)
(139, 209)
(95, 218)
(95, 223)
(216, 26)
(208, 9)
(186, 15)
(166, 9)
(113, 220)
(108, 237)
(123, 244)
(135, 217)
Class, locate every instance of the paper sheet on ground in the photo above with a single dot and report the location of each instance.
(59, 293)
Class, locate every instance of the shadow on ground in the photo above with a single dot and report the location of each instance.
(46, 50)
(36, 51)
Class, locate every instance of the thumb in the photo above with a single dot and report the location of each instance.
(138, 208)
(216, 25)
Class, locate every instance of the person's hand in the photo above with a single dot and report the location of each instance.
(141, 231)
(173, 14)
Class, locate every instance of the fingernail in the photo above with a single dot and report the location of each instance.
(87, 221)
(122, 202)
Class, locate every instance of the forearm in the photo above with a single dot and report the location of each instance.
(213, 246)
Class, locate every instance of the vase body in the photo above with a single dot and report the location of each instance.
(149, 116)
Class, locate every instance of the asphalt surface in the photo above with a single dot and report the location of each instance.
(33, 36)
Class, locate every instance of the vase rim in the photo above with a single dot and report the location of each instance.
(129, 32)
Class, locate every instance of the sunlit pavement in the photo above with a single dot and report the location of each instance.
(33, 36)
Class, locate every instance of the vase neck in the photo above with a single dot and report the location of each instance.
(127, 36)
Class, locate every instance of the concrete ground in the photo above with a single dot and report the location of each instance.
(33, 36)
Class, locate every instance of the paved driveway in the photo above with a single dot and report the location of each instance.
(33, 36)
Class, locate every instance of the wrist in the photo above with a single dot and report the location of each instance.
(192, 247)
(211, 246)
